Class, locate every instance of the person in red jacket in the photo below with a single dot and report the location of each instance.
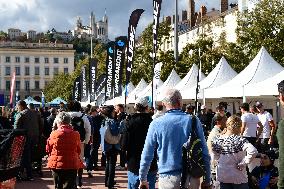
(63, 148)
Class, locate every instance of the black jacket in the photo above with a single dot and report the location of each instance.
(133, 140)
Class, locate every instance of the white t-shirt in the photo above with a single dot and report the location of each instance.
(251, 121)
(264, 119)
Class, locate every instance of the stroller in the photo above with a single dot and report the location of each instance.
(12, 144)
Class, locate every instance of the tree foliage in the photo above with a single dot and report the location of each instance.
(62, 84)
(263, 27)
(142, 65)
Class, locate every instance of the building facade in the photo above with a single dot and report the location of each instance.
(14, 33)
(34, 65)
(214, 23)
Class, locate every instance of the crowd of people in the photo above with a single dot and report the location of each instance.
(236, 151)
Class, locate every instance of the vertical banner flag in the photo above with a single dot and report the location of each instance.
(133, 22)
(77, 89)
(120, 44)
(156, 17)
(12, 88)
(109, 70)
(100, 85)
(156, 79)
(93, 75)
(84, 89)
(42, 99)
(157, 11)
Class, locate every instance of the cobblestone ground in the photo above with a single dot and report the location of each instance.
(97, 182)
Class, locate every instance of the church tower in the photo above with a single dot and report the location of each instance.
(102, 29)
(93, 25)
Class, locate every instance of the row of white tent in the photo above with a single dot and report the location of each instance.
(259, 78)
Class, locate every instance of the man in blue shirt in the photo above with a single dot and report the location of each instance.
(167, 134)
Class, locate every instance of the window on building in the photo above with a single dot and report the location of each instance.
(36, 70)
(36, 60)
(17, 59)
(65, 70)
(55, 71)
(27, 60)
(8, 85)
(27, 85)
(46, 60)
(46, 71)
(18, 85)
(18, 70)
(7, 71)
(65, 60)
(36, 84)
(8, 59)
(46, 83)
(55, 60)
(27, 70)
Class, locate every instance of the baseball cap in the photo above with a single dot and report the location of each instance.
(258, 104)
(143, 101)
(203, 107)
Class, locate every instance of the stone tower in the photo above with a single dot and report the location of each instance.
(93, 25)
(191, 13)
(102, 28)
(224, 5)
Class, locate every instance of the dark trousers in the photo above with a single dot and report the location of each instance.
(103, 160)
(122, 158)
(251, 140)
(111, 157)
(26, 162)
(89, 160)
(263, 145)
(64, 179)
(80, 176)
(95, 152)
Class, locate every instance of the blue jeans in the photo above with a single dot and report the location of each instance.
(133, 180)
(233, 186)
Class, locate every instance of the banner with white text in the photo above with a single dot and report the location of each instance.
(120, 45)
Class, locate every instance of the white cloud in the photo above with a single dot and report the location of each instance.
(41, 15)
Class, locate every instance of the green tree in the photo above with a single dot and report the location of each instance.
(263, 27)
(142, 65)
(62, 84)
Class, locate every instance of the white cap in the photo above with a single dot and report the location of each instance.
(203, 107)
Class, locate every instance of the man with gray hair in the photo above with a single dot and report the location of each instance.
(167, 134)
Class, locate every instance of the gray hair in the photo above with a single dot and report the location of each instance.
(63, 117)
(172, 97)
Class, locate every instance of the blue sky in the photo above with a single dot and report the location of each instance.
(41, 15)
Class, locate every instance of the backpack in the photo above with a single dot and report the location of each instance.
(78, 125)
(109, 137)
(192, 158)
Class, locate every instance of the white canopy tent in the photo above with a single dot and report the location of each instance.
(267, 87)
(221, 73)
(171, 81)
(139, 88)
(120, 99)
(190, 79)
(263, 66)
(148, 90)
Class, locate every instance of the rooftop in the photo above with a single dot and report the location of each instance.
(23, 45)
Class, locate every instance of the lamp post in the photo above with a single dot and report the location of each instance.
(176, 32)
